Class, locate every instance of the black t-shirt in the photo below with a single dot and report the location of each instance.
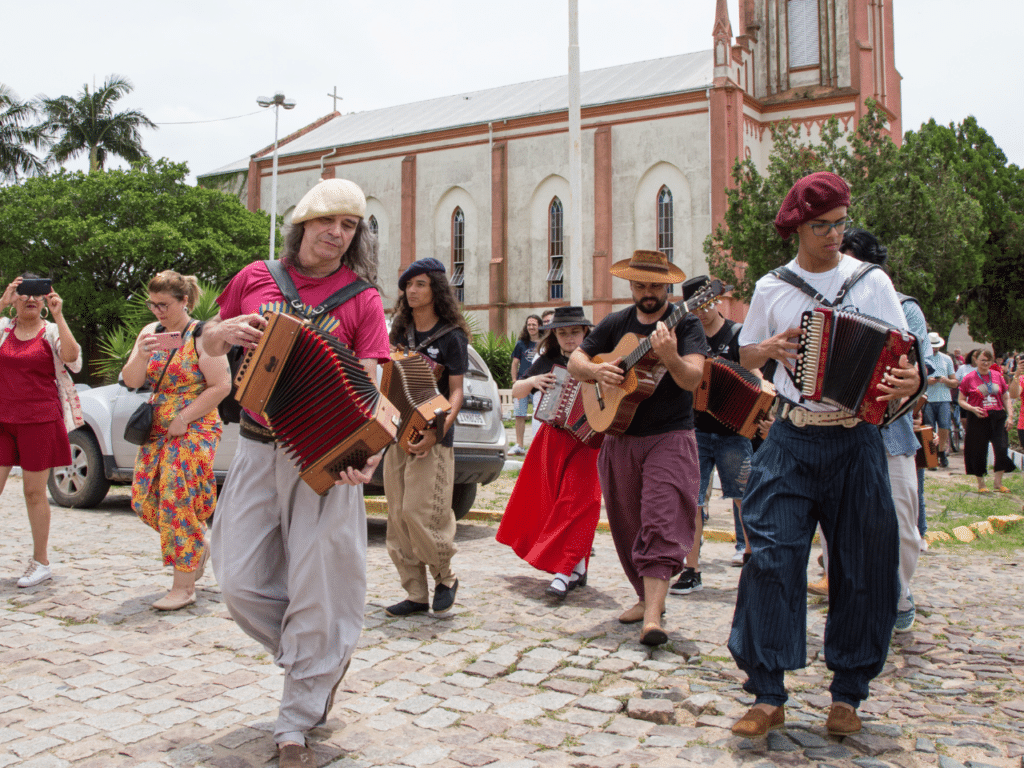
(450, 351)
(669, 407)
(725, 344)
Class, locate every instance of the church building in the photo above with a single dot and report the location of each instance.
(480, 180)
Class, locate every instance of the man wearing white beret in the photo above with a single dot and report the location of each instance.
(292, 564)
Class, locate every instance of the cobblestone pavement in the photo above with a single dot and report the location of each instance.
(90, 675)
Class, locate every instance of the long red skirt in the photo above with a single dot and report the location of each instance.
(554, 509)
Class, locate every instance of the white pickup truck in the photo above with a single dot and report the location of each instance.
(100, 456)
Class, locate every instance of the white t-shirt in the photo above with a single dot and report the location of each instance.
(777, 305)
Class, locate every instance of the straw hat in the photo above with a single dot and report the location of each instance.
(648, 267)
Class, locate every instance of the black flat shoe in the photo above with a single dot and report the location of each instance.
(577, 580)
(406, 608)
(444, 597)
(559, 587)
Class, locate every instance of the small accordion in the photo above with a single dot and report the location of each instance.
(733, 395)
(318, 399)
(562, 407)
(842, 358)
(407, 380)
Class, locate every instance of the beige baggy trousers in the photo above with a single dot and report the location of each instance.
(421, 523)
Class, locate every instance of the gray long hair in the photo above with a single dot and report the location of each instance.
(361, 256)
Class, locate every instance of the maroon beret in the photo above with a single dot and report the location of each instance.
(810, 197)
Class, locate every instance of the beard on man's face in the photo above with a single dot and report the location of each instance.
(651, 304)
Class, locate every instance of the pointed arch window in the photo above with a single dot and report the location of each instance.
(459, 254)
(372, 225)
(666, 225)
(802, 23)
(556, 269)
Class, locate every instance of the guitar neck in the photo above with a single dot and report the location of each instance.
(644, 346)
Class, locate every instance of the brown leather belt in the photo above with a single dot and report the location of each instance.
(251, 429)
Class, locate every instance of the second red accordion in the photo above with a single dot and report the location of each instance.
(733, 395)
(842, 358)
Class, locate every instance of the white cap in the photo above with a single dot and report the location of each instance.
(331, 197)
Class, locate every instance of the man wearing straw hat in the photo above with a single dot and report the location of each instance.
(650, 475)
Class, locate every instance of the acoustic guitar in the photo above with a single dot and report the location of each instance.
(610, 409)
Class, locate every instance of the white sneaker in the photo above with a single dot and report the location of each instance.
(517, 450)
(36, 573)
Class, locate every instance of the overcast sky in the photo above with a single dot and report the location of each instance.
(195, 62)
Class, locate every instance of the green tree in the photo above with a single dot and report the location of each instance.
(18, 137)
(102, 236)
(88, 123)
(911, 201)
(994, 302)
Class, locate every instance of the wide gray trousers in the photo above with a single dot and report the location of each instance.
(292, 568)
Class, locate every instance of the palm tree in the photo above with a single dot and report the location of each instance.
(88, 123)
(17, 136)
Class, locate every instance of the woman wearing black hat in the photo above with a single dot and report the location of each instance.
(418, 484)
(555, 506)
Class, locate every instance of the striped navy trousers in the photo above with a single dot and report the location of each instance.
(801, 477)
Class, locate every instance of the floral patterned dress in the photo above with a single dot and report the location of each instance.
(174, 490)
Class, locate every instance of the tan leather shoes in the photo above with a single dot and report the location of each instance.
(296, 756)
(842, 721)
(757, 722)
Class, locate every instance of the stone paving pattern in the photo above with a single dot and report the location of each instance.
(91, 676)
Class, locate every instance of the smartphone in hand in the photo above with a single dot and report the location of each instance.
(170, 340)
(35, 286)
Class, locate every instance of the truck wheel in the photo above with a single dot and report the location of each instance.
(81, 484)
(463, 496)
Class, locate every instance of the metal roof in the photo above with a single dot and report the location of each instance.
(626, 82)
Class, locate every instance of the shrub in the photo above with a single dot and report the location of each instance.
(497, 353)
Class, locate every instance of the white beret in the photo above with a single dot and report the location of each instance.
(331, 197)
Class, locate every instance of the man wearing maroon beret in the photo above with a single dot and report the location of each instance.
(818, 465)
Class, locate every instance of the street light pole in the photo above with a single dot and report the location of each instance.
(277, 102)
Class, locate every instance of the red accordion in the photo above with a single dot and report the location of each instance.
(842, 358)
(407, 380)
(318, 399)
(733, 395)
(562, 406)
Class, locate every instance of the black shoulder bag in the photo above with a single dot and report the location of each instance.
(140, 424)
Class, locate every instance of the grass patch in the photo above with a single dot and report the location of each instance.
(962, 505)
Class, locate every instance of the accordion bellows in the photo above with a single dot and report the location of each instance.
(317, 397)
(733, 395)
(409, 382)
(842, 357)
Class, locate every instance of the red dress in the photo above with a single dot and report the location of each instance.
(554, 509)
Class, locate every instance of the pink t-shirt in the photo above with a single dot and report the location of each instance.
(362, 317)
(1020, 419)
(984, 391)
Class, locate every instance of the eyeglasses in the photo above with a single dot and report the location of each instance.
(823, 229)
(154, 307)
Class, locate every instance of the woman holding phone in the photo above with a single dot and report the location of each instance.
(985, 398)
(38, 404)
(174, 491)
